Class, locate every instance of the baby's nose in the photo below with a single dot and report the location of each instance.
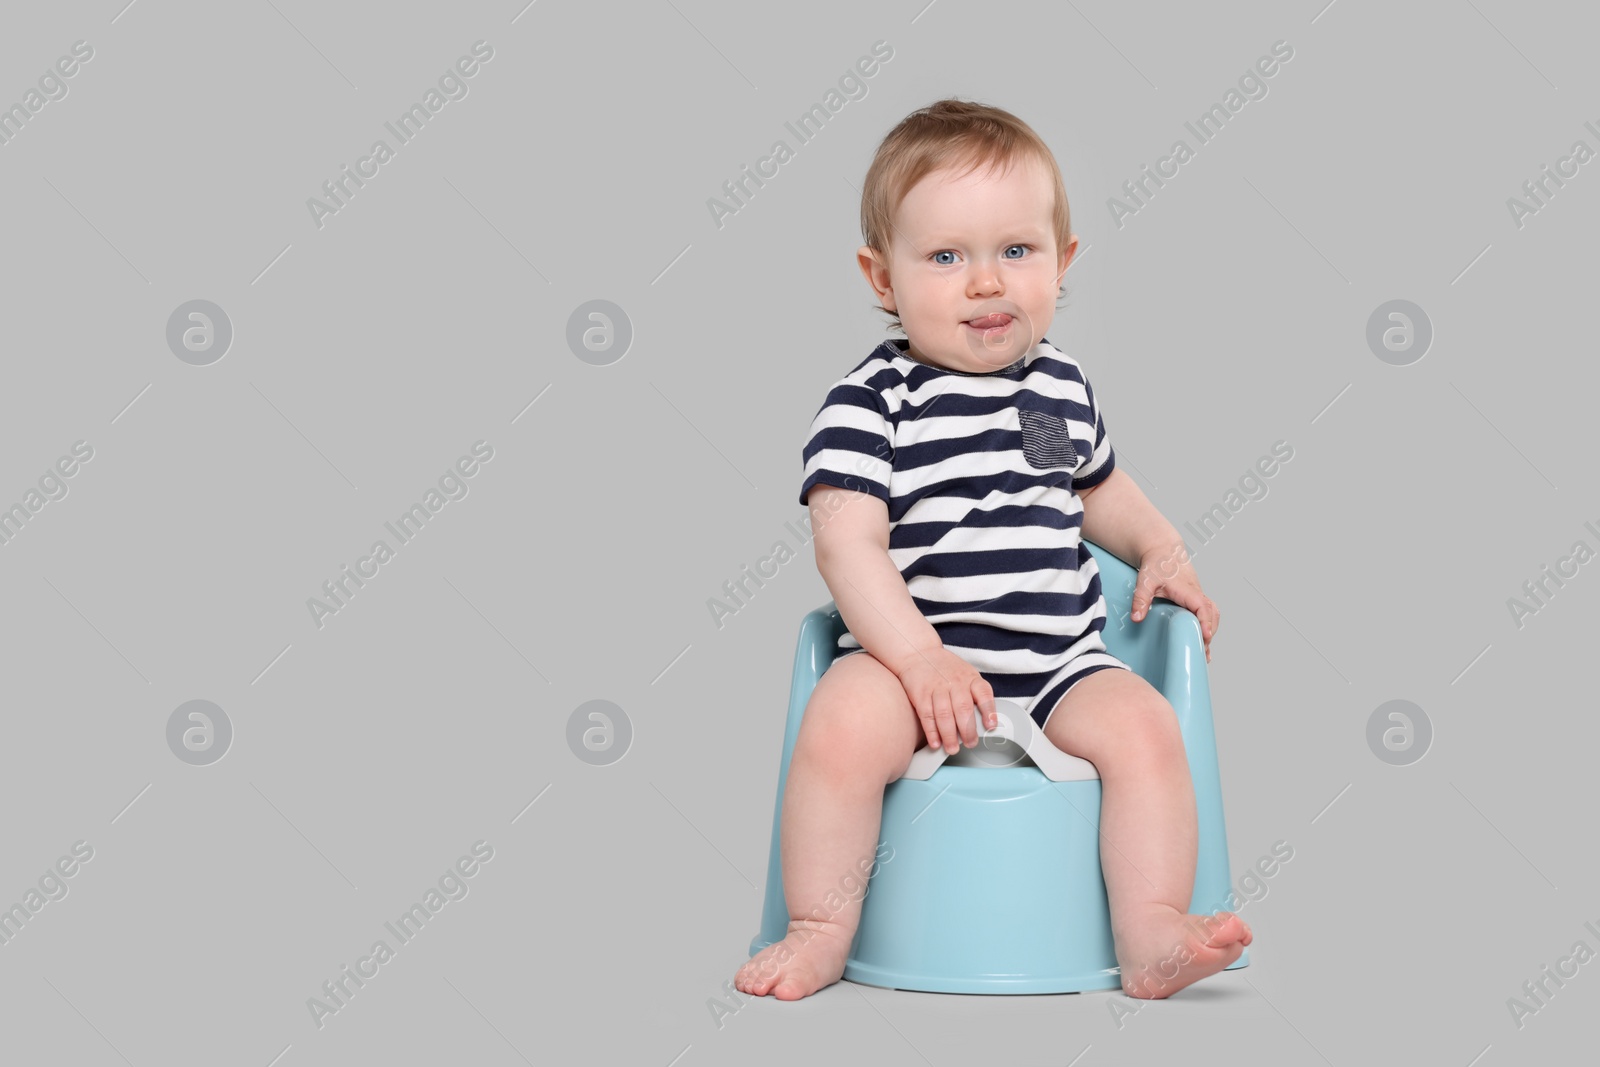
(985, 279)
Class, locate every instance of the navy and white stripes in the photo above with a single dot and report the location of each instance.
(978, 473)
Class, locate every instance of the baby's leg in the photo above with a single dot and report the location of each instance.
(1149, 837)
(857, 736)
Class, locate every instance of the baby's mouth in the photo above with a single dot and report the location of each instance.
(999, 320)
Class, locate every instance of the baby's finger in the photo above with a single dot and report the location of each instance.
(961, 704)
(983, 696)
(1143, 594)
(946, 719)
(924, 709)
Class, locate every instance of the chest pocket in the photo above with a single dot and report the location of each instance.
(1045, 441)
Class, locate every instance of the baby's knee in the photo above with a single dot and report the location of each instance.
(1149, 718)
(850, 735)
(834, 729)
(1139, 729)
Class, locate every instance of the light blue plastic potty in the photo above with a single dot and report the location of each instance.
(993, 884)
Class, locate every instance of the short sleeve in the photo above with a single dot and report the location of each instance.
(851, 443)
(1102, 460)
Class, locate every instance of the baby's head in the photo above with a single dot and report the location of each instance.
(954, 190)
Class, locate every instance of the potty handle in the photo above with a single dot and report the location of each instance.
(1016, 736)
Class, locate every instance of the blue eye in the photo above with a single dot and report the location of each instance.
(949, 262)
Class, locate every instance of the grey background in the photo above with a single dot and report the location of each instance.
(369, 354)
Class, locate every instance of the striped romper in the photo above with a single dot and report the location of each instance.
(978, 473)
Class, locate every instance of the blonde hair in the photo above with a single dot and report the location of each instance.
(956, 134)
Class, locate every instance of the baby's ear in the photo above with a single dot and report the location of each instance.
(875, 268)
(1064, 257)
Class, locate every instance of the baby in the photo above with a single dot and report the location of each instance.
(951, 479)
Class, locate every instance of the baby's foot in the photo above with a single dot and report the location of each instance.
(811, 956)
(1169, 950)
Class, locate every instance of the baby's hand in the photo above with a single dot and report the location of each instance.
(944, 688)
(1170, 574)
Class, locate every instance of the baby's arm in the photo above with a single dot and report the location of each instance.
(1118, 517)
(851, 535)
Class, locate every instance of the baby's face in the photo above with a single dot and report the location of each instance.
(969, 248)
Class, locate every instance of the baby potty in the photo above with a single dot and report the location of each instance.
(988, 877)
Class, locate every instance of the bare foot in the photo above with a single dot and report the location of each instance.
(1169, 950)
(811, 956)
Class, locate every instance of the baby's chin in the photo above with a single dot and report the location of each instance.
(975, 351)
(996, 349)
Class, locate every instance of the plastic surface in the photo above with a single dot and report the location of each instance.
(1008, 744)
(994, 882)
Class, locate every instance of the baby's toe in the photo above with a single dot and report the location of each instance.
(1230, 930)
